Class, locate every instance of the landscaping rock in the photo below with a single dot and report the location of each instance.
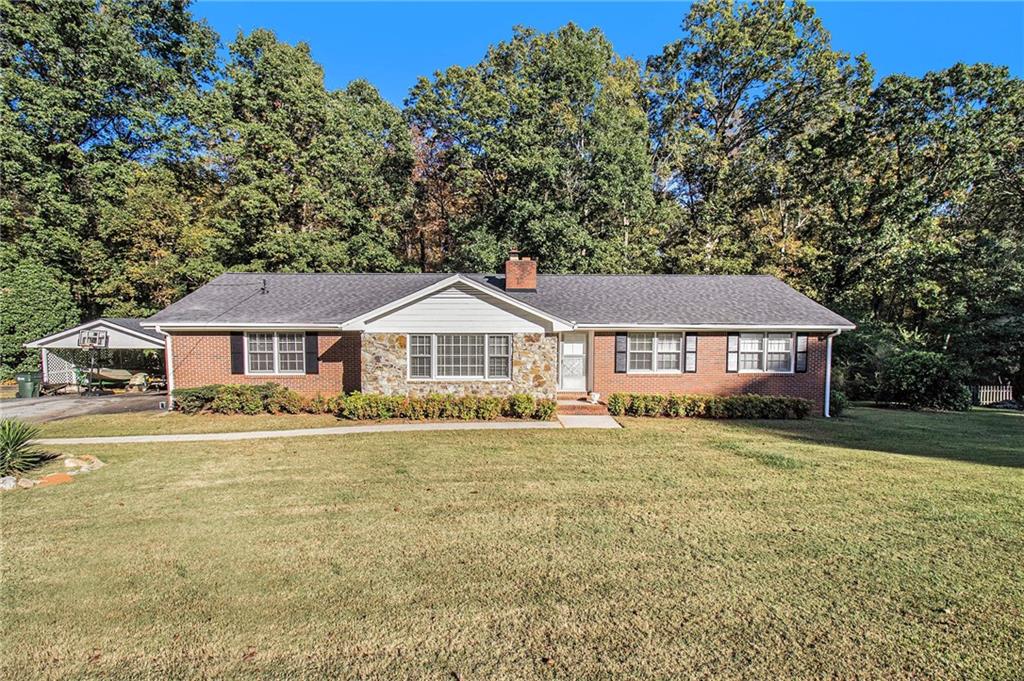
(26, 483)
(92, 462)
(73, 463)
(8, 482)
(54, 479)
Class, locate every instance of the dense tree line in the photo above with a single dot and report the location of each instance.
(135, 165)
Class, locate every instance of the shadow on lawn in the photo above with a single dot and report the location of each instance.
(990, 437)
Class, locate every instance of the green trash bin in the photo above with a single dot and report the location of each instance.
(29, 383)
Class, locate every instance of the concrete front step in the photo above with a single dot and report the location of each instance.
(581, 407)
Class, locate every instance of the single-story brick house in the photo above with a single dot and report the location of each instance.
(495, 334)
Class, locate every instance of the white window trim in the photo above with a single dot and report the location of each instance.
(654, 354)
(764, 353)
(434, 378)
(276, 352)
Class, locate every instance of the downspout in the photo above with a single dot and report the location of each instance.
(828, 371)
(169, 362)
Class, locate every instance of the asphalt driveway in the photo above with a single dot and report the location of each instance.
(40, 409)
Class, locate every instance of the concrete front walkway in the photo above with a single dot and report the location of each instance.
(577, 422)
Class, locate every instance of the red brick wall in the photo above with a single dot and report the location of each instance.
(711, 377)
(205, 359)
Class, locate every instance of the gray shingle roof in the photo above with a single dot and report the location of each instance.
(291, 298)
(673, 299)
(583, 299)
(135, 324)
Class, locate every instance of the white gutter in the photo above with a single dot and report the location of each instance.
(169, 361)
(717, 327)
(828, 371)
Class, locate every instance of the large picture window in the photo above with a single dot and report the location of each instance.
(460, 356)
(271, 352)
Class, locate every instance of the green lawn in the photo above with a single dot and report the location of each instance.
(880, 545)
(164, 423)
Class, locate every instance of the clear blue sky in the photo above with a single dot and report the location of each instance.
(390, 44)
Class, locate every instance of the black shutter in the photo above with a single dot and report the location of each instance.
(621, 352)
(237, 352)
(690, 355)
(801, 353)
(732, 353)
(312, 353)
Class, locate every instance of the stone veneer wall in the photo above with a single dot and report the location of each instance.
(534, 368)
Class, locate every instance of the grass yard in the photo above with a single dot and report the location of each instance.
(880, 545)
(167, 423)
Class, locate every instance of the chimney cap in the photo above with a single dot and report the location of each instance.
(513, 254)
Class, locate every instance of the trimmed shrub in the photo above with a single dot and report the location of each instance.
(285, 401)
(238, 399)
(359, 406)
(617, 404)
(923, 380)
(710, 406)
(545, 409)
(194, 400)
(17, 454)
(319, 405)
(837, 403)
(364, 407)
(488, 408)
(519, 406)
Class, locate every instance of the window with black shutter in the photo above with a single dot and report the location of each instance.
(690, 363)
(312, 353)
(732, 353)
(237, 352)
(621, 352)
(801, 353)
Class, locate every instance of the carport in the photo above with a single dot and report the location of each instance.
(128, 347)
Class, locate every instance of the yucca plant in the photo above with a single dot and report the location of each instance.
(17, 453)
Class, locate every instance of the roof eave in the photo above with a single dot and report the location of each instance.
(40, 342)
(225, 326)
(718, 326)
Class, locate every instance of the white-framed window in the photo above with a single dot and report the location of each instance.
(499, 357)
(656, 352)
(670, 347)
(460, 356)
(766, 352)
(751, 351)
(641, 352)
(275, 352)
(779, 352)
(420, 356)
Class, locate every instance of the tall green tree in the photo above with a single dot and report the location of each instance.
(312, 179)
(736, 104)
(925, 232)
(89, 88)
(35, 301)
(542, 145)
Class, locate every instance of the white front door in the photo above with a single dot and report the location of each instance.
(573, 362)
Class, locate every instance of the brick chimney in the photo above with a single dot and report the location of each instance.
(520, 273)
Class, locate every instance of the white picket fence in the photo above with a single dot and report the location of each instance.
(990, 394)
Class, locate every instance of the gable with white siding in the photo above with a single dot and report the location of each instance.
(458, 308)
